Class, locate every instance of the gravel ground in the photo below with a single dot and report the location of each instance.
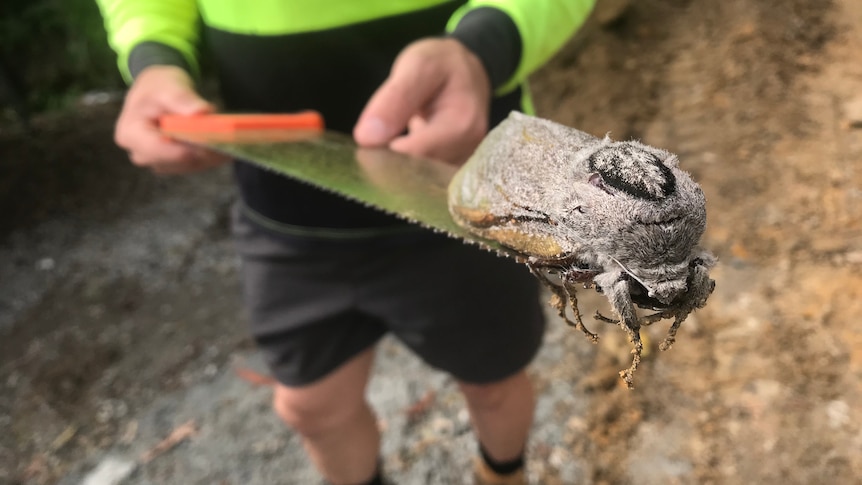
(169, 267)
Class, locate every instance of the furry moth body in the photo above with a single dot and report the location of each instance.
(581, 210)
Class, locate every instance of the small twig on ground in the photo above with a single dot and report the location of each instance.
(130, 433)
(255, 378)
(64, 437)
(420, 407)
(177, 436)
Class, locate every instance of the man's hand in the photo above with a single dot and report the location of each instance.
(157, 91)
(439, 91)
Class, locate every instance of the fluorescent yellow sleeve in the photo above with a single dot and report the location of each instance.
(170, 22)
(278, 17)
(544, 25)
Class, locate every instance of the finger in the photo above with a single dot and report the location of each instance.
(185, 159)
(449, 136)
(185, 102)
(174, 100)
(208, 158)
(202, 160)
(138, 131)
(149, 146)
(411, 85)
(416, 123)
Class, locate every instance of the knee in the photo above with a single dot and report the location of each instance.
(484, 396)
(494, 395)
(311, 415)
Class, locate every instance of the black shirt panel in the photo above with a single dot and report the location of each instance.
(333, 72)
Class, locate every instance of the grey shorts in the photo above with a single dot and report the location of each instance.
(314, 303)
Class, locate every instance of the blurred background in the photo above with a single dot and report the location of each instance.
(123, 354)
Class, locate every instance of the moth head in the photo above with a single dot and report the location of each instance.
(684, 287)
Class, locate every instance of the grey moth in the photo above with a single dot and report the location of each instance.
(619, 216)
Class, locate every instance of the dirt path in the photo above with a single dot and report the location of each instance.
(758, 99)
(120, 319)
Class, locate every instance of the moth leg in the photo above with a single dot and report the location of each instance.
(598, 316)
(645, 321)
(559, 298)
(579, 323)
(670, 338)
(668, 341)
(617, 290)
(637, 351)
(655, 317)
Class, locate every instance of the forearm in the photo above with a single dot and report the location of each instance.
(513, 38)
(149, 32)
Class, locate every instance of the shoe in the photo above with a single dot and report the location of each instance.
(483, 475)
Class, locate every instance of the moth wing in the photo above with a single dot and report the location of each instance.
(510, 188)
(508, 233)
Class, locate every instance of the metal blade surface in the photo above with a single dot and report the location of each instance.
(414, 189)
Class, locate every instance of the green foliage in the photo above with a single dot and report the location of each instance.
(57, 48)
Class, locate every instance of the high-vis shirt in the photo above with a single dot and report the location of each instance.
(330, 56)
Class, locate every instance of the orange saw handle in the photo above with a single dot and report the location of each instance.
(233, 123)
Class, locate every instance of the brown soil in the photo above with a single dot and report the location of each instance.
(756, 98)
(60, 166)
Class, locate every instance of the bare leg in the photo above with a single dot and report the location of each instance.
(502, 414)
(337, 426)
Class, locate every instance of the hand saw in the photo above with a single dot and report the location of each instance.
(298, 146)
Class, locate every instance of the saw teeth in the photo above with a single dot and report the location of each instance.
(488, 246)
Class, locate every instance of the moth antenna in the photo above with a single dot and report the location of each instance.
(629, 272)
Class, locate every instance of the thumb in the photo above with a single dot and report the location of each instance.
(405, 93)
(183, 100)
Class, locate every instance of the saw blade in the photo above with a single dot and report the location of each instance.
(408, 187)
